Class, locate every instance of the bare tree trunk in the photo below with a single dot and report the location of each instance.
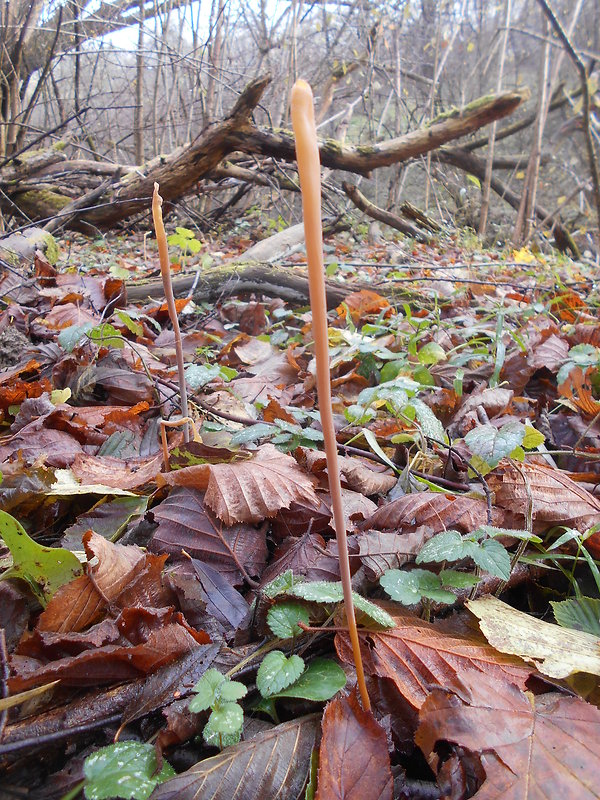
(138, 119)
(485, 193)
(526, 209)
(583, 77)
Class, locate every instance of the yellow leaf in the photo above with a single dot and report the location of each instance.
(555, 651)
(470, 47)
(520, 175)
(524, 255)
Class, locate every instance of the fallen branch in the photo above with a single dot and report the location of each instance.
(474, 165)
(380, 214)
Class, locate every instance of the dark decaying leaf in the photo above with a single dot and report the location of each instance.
(223, 601)
(185, 524)
(112, 663)
(171, 682)
(354, 763)
(531, 748)
(309, 555)
(274, 764)
(247, 491)
(107, 518)
(415, 655)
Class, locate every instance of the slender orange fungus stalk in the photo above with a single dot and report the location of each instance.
(165, 271)
(309, 170)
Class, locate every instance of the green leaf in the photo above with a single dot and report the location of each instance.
(490, 531)
(429, 423)
(579, 613)
(319, 682)
(227, 373)
(446, 546)
(207, 690)
(106, 335)
(198, 375)
(226, 718)
(532, 438)
(318, 591)
(124, 769)
(491, 443)
(311, 787)
(491, 556)
(458, 580)
(408, 587)
(135, 327)
(45, 569)
(282, 583)
(283, 619)
(431, 353)
(357, 415)
(220, 740)
(331, 268)
(332, 592)
(252, 433)
(69, 337)
(277, 672)
(390, 370)
(230, 691)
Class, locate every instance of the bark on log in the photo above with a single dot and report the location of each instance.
(290, 283)
(363, 160)
(179, 172)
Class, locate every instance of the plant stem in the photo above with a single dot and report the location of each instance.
(307, 155)
(165, 271)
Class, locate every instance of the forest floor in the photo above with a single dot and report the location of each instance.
(176, 629)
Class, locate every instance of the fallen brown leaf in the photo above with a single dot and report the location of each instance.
(415, 656)
(556, 498)
(247, 491)
(531, 748)
(354, 763)
(273, 764)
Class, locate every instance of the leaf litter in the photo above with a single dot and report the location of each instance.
(465, 411)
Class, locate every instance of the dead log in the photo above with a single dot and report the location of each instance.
(179, 172)
(215, 283)
(362, 160)
(393, 220)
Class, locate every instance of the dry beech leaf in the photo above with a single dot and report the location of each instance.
(355, 472)
(434, 511)
(557, 499)
(380, 551)
(551, 353)
(81, 602)
(354, 763)
(273, 764)
(531, 748)
(130, 473)
(248, 491)
(555, 651)
(416, 655)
